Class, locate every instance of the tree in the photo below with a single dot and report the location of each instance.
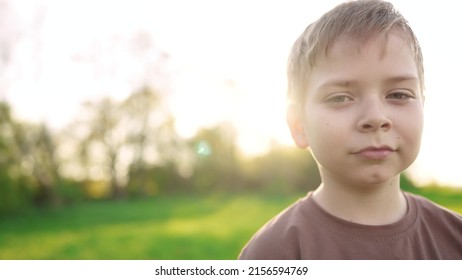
(28, 163)
(154, 141)
(12, 196)
(118, 141)
(37, 155)
(282, 170)
(217, 164)
(100, 140)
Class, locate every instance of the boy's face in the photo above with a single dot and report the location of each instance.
(363, 112)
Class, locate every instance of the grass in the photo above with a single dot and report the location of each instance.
(214, 227)
(179, 227)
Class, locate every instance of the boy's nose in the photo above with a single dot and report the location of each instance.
(373, 118)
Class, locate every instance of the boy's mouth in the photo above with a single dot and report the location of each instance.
(375, 153)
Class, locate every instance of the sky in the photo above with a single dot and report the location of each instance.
(226, 62)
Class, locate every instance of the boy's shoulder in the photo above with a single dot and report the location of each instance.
(431, 212)
(279, 238)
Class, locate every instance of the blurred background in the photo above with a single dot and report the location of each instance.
(156, 129)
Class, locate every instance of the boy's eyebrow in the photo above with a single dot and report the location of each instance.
(402, 78)
(336, 83)
(390, 80)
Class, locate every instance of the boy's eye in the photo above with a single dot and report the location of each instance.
(339, 99)
(399, 95)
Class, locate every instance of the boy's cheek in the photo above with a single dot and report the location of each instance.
(297, 126)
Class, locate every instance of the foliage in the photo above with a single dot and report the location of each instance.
(117, 141)
(282, 170)
(28, 166)
(217, 163)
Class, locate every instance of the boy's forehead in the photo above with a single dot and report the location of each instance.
(353, 46)
(391, 57)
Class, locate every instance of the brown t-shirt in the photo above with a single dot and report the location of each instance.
(306, 231)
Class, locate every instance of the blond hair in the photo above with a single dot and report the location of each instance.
(357, 20)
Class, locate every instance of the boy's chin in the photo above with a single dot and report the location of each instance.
(376, 181)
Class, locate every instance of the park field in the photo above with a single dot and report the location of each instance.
(175, 227)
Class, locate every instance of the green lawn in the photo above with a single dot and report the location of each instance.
(182, 227)
(215, 227)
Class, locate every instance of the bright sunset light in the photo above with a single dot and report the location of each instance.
(226, 62)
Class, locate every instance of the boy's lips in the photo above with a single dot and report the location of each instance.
(375, 153)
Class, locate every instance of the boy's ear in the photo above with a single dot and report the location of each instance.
(295, 122)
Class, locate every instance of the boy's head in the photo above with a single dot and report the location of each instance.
(355, 21)
(355, 86)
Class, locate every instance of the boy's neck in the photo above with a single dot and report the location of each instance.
(377, 205)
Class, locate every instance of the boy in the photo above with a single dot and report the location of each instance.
(355, 85)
